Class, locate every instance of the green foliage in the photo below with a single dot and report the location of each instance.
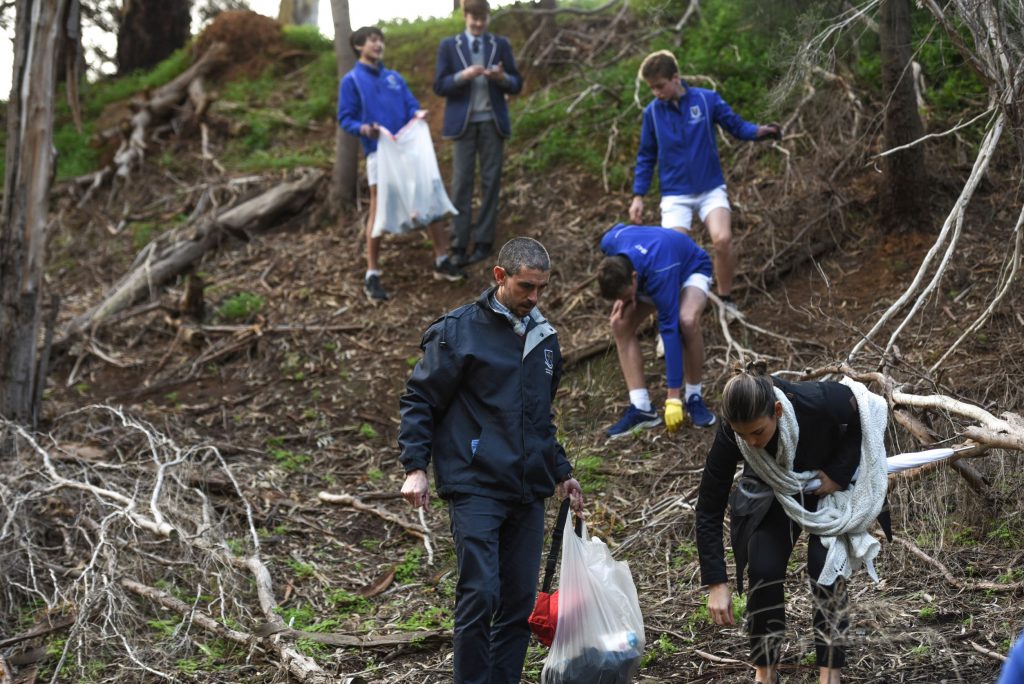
(927, 612)
(663, 646)
(685, 552)
(406, 570)
(307, 38)
(301, 570)
(344, 602)
(376, 474)
(585, 470)
(166, 628)
(240, 306)
(366, 431)
(290, 460)
(75, 156)
(430, 618)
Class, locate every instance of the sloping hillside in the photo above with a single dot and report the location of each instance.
(228, 420)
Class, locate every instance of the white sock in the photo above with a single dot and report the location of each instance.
(640, 398)
(691, 390)
(371, 272)
(440, 259)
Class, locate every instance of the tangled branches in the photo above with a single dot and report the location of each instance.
(84, 527)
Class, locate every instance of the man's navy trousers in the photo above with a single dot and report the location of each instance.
(498, 545)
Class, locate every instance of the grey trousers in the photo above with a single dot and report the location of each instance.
(480, 139)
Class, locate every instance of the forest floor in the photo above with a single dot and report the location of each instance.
(295, 382)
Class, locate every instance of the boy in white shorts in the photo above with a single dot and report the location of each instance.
(678, 136)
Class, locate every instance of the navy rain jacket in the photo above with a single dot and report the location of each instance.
(479, 405)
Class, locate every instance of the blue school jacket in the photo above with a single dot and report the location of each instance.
(453, 55)
(368, 95)
(681, 141)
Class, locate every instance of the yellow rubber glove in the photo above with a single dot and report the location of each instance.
(673, 414)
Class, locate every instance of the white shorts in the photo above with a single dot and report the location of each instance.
(699, 281)
(371, 168)
(677, 210)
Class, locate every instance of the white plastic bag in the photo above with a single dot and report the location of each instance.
(600, 634)
(410, 193)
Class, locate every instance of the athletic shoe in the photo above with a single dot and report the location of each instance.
(698, 411)
(732, 312)
(446, 270)
(374, 291)
(632, 421)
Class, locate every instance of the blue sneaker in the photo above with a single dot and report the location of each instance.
(632, 421)
(698, 411)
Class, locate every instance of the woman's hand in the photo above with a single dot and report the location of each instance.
(828, 485)
(720, 604)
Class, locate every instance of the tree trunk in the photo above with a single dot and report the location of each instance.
(346, 157)
(150, 30)
(458, 6)
(299, 12)
(30, 166)
(905, 181)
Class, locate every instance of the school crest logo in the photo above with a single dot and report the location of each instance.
(694, 112)
(549, 361)
(392, 82)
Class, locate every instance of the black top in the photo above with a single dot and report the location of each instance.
(830, 440)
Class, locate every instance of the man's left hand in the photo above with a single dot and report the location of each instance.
(422, 114)
(571, 488)
(828, 485)
(673, 414)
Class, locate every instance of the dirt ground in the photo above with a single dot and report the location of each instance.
(301, 397)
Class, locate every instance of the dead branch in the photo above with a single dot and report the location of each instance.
(352, 641)
(172, 253)
(1010, 587)
(419, 531)
(558, 10)
(163, 103)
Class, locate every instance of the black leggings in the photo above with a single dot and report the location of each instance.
(769, 549)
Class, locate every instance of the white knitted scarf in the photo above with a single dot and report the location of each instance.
(842, 518)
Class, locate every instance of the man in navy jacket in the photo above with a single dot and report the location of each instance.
(479, 406)
(678, 136)
(475, 71)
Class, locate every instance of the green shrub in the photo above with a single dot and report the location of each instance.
(240, 306)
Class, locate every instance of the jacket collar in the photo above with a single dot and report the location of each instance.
(465, 48)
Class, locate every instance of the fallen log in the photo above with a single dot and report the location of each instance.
(173, 253)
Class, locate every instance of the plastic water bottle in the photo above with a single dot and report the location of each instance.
(620, 641)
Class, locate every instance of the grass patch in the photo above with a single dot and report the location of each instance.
(240, 306)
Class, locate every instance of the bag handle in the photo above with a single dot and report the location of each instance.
(556, 543)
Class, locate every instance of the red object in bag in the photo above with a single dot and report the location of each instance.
(544, 618)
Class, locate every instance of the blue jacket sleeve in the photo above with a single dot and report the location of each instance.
(412, 105)
(514, 81)
(428, 393)
(350, 107)
(445, 70)
(646, 156)
(723, 115)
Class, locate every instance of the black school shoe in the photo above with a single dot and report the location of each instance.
(458, 256)
(481, 251)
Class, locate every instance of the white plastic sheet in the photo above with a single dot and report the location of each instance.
(600, 635)
(410, 193)
(899, 463)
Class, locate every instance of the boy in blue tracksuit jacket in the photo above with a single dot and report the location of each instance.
(678, 135)
(478, 406)
(372, 97)
(648, 270)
